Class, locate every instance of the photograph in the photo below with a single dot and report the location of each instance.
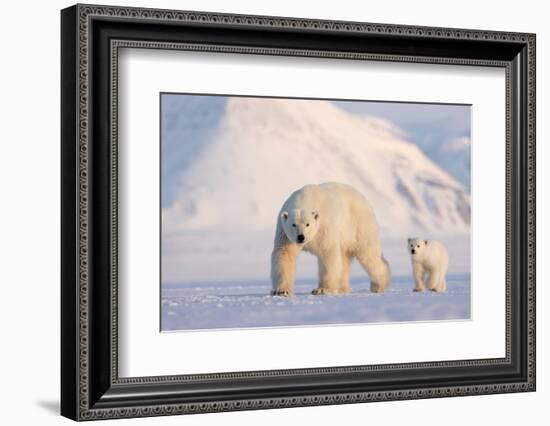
(315, 212)
(262, 209)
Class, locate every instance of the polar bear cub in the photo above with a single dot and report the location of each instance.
(334, 222)
(430, 261)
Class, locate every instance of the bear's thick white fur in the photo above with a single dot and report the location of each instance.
(430, 261)
(337, 225)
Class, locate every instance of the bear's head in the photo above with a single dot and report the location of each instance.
(300, 225)
(416, 247)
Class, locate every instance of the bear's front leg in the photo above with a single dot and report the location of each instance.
(418, 271)
(283, 270)
(330, 273)
(344, 278)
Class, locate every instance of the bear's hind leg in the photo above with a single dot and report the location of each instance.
(378, 269)
(330, 272)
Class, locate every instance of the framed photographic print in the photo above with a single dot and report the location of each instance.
(263, 212)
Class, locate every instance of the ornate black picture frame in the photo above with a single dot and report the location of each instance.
(90, 385)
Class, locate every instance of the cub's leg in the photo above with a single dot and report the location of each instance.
(434, 281)
(418, 272)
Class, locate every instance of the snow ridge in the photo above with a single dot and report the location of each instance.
(229, 163)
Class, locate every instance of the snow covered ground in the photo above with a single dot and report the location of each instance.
(235, 293)
(248, 304)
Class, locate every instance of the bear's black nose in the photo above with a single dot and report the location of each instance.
(301, 238)
(412, 251)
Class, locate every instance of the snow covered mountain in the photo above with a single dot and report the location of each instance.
(441, 131)
(230, 163)
(454, 155)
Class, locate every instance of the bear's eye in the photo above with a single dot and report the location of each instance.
(294, 225)
(417, 246)
(307, 224)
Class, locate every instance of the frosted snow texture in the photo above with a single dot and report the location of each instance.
(246, 304)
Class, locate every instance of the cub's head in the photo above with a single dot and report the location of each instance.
(416, 247)
(300, 225)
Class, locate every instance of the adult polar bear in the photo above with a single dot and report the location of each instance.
(334, 222)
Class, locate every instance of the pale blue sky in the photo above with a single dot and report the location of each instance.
(419, 120)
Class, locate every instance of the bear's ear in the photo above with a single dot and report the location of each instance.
(315, 215)
(284, 216)
(409, 240)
